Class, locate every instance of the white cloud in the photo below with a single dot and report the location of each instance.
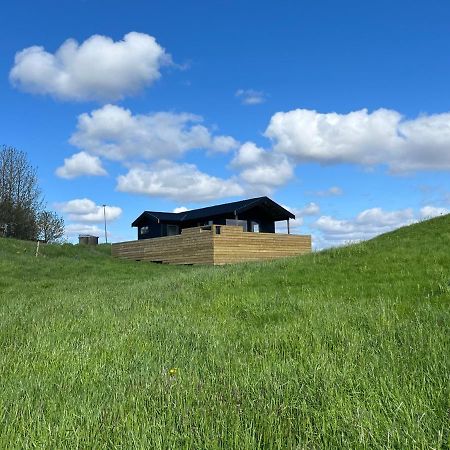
(365, 225)
(180, 209)
(250, 96)
(330, 231)
(97, 69)
(115, 133)
(429, 211)
(180, 182)
(261, 169)
(332, 191)
(75, 229)
(81, 164)
(311, 209)
(360, 137)
(223, 144)
(85, 210)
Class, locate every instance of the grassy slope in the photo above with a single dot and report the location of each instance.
(345, 348)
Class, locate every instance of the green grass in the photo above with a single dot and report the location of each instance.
(346, 348)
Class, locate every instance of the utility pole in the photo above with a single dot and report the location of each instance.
(104, 217)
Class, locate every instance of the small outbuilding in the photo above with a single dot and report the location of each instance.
(87, 239)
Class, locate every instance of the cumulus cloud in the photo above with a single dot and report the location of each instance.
(430, 211)
(75, 229)
(329, 231)
(115, 133)
(84, 210)
(81, 164)
(250, 96)
(180, 182)
(365, 225)
(310, 209)
(380, 137)
(223, 144)
(262, 170)
(97, 69)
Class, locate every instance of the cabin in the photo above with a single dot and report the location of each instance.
(220, 234)
(253, 215)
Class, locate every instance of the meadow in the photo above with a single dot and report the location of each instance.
(345, 348)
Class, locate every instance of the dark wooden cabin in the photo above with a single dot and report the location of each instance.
(253, 215)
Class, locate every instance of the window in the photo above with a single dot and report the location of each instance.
(237, 223)
(144, 230)
(172, 230)
(255, 227)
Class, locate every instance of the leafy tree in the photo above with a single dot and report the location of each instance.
(50, 226)
(21, 201)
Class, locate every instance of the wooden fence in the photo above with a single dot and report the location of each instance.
(215, 244)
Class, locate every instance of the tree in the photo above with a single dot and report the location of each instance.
(50, 226)
(21, 201)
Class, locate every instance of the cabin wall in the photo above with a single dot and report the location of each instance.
(155, 230)
(266, 226)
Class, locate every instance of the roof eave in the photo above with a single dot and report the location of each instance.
(262, 200)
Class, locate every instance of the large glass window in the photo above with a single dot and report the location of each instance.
(237, 223)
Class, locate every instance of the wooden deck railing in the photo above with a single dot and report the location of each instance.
(213, 244)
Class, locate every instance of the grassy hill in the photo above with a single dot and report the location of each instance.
(346, 348)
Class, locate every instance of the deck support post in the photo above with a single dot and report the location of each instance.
(289, 230)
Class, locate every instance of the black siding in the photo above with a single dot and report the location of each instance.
(154, 230)
(266, 226)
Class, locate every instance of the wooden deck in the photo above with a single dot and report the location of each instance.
(214, 245)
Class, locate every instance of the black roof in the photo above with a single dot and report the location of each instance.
(276, 210)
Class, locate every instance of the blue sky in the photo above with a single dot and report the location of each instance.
(338, 110)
